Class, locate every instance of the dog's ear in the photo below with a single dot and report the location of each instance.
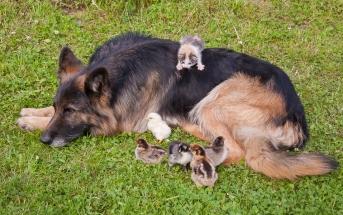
(68, 64)
(97, 86)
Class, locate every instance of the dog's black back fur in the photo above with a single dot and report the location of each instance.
(132, 53)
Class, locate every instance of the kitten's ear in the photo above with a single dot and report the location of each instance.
(68, 64)
(182, 40)
(197, 38)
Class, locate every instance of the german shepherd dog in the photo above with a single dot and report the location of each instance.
(250, 102)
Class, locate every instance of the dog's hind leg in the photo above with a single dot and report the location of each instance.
(234, 151)
(42, 112)
(195, 131)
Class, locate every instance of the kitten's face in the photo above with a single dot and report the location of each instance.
(187, 56)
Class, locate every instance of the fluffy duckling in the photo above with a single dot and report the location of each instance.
(149, 153)
(204, 172)
(158, 127)
(179, 153)
(217, 151)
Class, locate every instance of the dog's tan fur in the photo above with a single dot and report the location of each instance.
(280, 165)
(148, 95)
(248, 105)
(242, 110)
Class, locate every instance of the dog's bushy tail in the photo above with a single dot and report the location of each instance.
(262, 156)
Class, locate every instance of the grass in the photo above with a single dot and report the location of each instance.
(98, 175)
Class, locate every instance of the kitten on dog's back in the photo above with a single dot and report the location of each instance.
(193, 40)
(189, 52)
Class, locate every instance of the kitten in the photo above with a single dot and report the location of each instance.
(190, 52)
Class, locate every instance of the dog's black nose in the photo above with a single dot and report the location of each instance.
(45, 138)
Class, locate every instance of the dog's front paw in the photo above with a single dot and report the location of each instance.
(28, 112)
(32, 123)
(25, 123)
(41, 112)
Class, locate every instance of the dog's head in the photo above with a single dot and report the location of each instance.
(82, 102)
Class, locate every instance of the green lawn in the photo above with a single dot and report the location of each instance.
(99, 175)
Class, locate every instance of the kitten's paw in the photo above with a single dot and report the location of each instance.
(178, 67)
(201, 66)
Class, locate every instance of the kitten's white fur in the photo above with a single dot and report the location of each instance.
(189, 52)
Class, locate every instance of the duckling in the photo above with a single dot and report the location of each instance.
(204, 172)
(179, 153)
(158, 127)
(149, 153)
(217, 151)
